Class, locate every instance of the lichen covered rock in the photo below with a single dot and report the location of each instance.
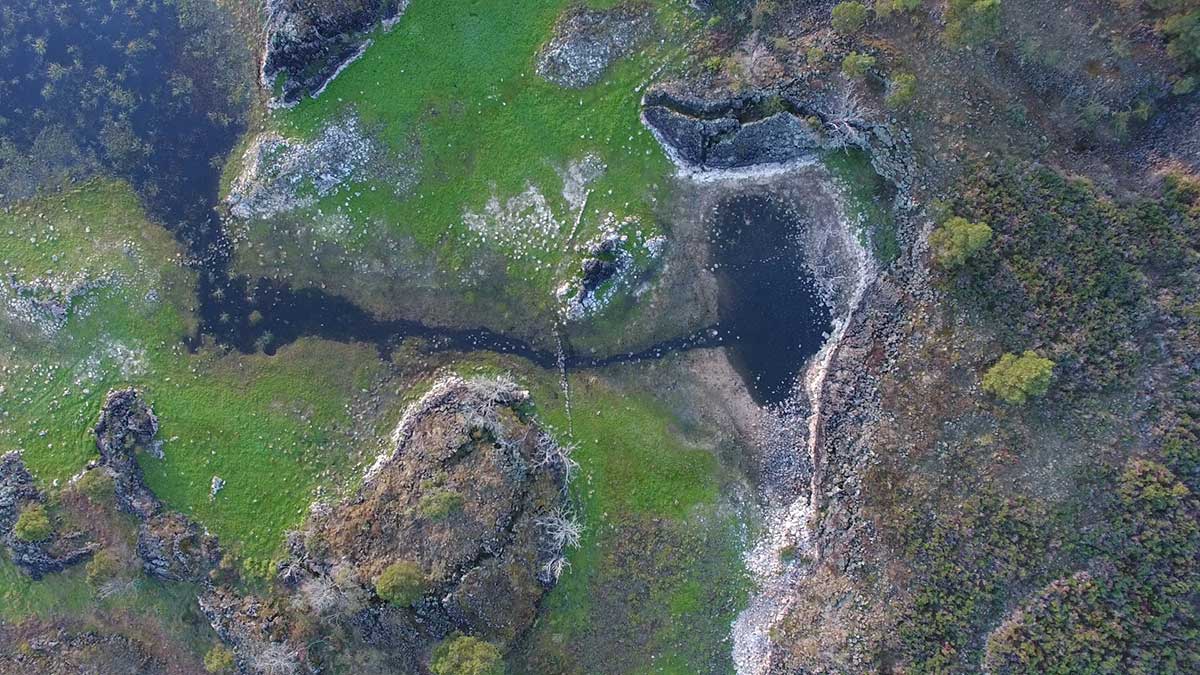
(587, 41)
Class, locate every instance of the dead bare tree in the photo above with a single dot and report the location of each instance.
(555, 456)
(561, 528)
(847, 119)
(274, 658)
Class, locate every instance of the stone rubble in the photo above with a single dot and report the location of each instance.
(586, 42)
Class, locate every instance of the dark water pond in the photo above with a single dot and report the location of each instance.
(123, 87)
(767, 298)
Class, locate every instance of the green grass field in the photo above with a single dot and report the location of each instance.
(456, 81)
(659, 569)
(240, 417)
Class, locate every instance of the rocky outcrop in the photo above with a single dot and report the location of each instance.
(606, 262)
(62, 652)
(170, 545)
(472, 495)
(36, 558)
(308, 42)
(791, 122)
(587, 41)
(729, 133)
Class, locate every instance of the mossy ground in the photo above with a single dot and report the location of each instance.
(456, 81)
(240, 417)
(866, 197)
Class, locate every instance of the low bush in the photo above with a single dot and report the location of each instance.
(849, 17)
(902, 91)
(466, 655)
(33, 524)
(957, 239)
(1016, 379)
(402, 583)
(856, 65)
(219, 659)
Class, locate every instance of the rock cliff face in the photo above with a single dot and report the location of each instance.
(787, 123)
(308, 42)
(35, 558)
(170, 545)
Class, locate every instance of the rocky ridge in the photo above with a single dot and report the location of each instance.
(309, 43)
(36, 558)
(788, 123)
(171, 546)
(472, 494)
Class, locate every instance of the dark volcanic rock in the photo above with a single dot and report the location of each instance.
(309, 41)
(586, 42)
(729, 133)
(59, 652)
(126, 425)
(174, 548)
(170, 545)
(35, 558)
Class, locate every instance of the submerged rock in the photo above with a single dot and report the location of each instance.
(586, 42)
(309, 41)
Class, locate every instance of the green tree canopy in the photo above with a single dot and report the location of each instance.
(1016, 379)
(856, 65)
(957, 239)
(972, 22)
(219, 659)
(901, 92)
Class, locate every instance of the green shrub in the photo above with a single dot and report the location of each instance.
(884, 8)
(466, 655)
(439, 503)
(402, 583)
(103, 566)
(33, 524)
(814, 55)
(1016, 379)
(1183, 33)
(1127, 612)
(96, 485)
(1184, 86)
(219, 659)
(903, 90)
(972, 22)
(856, 65)
(956, 240)
(849, 17)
